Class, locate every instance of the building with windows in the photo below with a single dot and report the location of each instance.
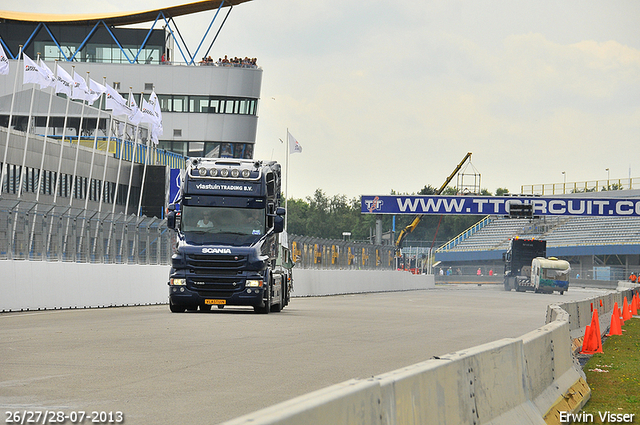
(209, 108)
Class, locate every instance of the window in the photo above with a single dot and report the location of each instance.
(229, 107)
(196, 148)
(180, 104)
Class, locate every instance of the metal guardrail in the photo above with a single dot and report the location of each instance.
(580, 187)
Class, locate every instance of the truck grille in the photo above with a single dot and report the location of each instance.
(214, 287)
(213, 262)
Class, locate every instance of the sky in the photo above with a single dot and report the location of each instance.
(390, 96)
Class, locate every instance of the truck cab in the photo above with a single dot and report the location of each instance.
(517, 262)
(227, 222)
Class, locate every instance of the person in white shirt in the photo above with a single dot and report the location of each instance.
(205, 221)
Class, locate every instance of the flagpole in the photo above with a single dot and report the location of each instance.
(286, 184)
(93, 155)
(144, 168)
(24, 155)
(75, 162)
(133, 158)
(115, 195)
(104, 171)
(64, 133)
(6, 147)
(26, 137)
(41, 171)
(58, 176)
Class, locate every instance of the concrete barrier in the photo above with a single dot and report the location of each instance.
(39, 285)
(473, 386)
(309, 282)
(526, 380)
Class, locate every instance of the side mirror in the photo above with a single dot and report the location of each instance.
(278, 224)
(171, 220)
(281, 212)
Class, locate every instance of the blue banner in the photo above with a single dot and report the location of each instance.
(175, 181)
(499, 205)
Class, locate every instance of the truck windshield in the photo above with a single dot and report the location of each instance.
(237, 221)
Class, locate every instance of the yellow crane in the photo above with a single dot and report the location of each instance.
(410, 228)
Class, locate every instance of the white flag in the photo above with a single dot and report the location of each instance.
(116, 102)
(80, 90)
(33, 73)
(51, 78)
(148, 115)
(153, 100)
(4, 62)
(64, 82)
(135, 114)
(95, 91)
(156, 129)
(294, 145)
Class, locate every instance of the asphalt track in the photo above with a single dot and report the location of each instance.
(194, 368)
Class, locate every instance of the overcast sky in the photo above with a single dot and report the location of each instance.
(391, 95)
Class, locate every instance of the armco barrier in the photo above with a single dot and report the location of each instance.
(526, 380)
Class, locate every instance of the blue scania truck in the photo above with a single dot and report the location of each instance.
(228, 223)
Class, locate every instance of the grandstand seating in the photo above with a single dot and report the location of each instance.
(557, 231)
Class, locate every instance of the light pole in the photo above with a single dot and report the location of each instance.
(608, 175)
(564, 182)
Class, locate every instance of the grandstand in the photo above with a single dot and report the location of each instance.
(589, 243)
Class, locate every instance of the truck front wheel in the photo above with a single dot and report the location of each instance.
(266, 308)
(176, 308)
(507, 285)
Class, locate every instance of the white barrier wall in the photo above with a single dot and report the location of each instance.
(37, 285)
(526, 380)
(308, 282)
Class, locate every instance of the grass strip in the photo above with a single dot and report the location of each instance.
(614, 375)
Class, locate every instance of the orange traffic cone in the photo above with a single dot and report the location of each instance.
(595, 331)
(634, 305)
(587, 345)
(592, 342)
(626, 312)
(615, 328)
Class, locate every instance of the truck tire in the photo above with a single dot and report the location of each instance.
(266, 308)
(277, 308)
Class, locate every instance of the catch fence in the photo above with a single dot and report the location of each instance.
(317, 253)
(30, 231)
(40, 232)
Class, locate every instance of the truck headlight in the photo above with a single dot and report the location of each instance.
(177, 281)
(254, 284)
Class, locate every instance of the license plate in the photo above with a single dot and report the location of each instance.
(215, 302)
